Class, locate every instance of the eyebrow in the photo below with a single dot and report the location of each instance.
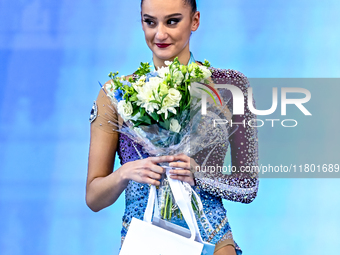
(167, 16)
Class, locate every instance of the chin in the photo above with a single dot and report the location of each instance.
(164, 54)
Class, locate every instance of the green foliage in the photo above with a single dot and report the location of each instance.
(143, 69)
(133, 98)
(155, 116)
(145, 119)
(142, 111)
(179, 77)
(113, 75)
(206, 63)
(165, 124)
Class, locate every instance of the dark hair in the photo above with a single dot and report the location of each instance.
(192, 3)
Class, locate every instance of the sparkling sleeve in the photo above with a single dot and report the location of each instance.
(104, 113)
(239, 185)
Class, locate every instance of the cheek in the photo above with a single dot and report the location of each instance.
(183, 34)
(149, 34)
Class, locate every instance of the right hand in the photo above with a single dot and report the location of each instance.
(145, 170)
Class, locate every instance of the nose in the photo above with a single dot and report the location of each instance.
(161, 33)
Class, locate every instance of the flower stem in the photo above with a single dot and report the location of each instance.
(166, 204)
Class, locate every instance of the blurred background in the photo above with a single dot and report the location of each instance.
(54, 52)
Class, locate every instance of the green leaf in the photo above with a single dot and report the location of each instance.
(145, 119)
(154, 95)
(137, 124)
(155, 101)
(143, 69)
(135, 111)
(163, 99)
(163, 116)
(167, 124)
(142, 111)
(155, 116)
(162, 124)
(188, 105)
(133, 98)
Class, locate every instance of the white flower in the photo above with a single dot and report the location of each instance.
(174, 95)
(167, 63)
(191, 68)
(178, 77)
(206, 72)
(146, 94)
(168, 106)
(110, 88)
(163, 89)
(125, 109)
(163, 71)
(174, 125)
(140, 83)
(170, 102)
(155, 81)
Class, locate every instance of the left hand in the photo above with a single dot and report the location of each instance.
(187, 173)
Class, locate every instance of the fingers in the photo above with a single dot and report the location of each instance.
(161, 159)
(181, 157)
(154, 175)
(183, 178)
(150, 181)
(150, 177)
(180, 172)
(188, 163)
(153, 182)
(150, 165)
(180, 165)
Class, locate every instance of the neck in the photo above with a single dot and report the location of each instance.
(183, 57)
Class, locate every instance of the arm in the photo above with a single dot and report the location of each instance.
(239, 187)
(104, 186)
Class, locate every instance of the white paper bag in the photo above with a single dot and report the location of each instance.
(161, 237)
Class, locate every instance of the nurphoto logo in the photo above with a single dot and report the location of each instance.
(239, 103)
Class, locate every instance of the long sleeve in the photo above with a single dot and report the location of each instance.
(240, 185)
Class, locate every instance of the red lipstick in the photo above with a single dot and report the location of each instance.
(162, 45)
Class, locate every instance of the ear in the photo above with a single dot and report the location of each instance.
(195, 21)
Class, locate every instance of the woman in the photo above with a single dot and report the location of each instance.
(167, 26)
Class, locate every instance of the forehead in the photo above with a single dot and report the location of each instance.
(158, 8)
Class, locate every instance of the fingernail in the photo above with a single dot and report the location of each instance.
(171, 164)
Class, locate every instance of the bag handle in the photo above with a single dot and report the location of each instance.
(183, 202)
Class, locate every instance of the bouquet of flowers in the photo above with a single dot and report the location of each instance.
(161, 111)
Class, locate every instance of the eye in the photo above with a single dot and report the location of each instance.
(173, 21)
(149, 22)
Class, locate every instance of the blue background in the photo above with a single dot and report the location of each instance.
(52, 54)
